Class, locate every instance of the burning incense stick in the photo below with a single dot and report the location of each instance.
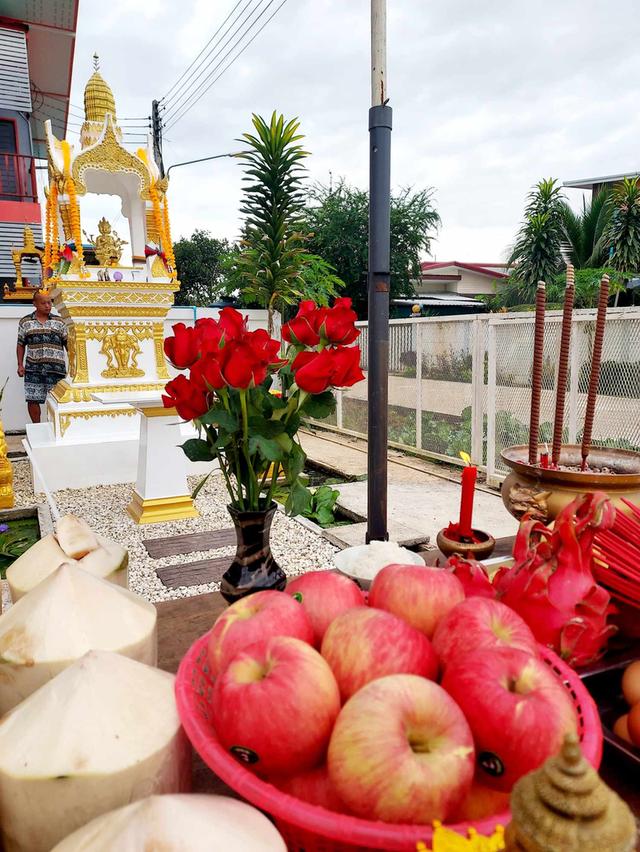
(563, 366)
(596, 358)
(536, 377)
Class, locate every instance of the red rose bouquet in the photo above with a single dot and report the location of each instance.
(250, 430)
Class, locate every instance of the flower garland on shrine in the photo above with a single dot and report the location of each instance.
(74, 209)
(51, 247)
(161, 220)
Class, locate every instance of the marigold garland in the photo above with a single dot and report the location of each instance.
(46, 261)
(160, 218)
(168, 249)
(74, 210)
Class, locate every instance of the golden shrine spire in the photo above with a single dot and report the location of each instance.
(98, 102)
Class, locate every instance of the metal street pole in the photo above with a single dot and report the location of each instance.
(378, 276)
(201, 160)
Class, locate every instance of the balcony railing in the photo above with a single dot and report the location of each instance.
(17, 177)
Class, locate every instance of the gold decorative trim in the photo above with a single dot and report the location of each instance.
(65, 284)
(125, 297)
(161, 509)
(158, 344)
(64, 392)
(80, 353)
(158, 411)
(99, 330)
(108, 155)
(116, 311)
(67, 417)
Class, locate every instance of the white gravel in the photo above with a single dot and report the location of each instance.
(295, 548)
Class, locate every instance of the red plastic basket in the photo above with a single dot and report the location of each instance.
(309, 828)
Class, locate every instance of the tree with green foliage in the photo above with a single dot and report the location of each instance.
(623, 233)
(273, 266)
(199, 262)
(536, 254)
(585, 232)
(338, 220)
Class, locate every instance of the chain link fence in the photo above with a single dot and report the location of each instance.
(464, 384)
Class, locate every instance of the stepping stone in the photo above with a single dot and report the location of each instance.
(194, 573)
(175, 545)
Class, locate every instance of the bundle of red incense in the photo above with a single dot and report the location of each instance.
(616, 556)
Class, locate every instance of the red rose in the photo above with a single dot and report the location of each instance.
(302, 330)
(338, 323)
(206, 373)
(346, 366)
(182, 348)
(208, 335)
(232, 324)
(313, 370)
(67, 254)
(264, 347)
(189, 400)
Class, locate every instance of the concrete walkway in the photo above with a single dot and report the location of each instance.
(423, 498)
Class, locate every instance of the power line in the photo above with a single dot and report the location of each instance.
(192, 82)
(186, 71)
(188, 107)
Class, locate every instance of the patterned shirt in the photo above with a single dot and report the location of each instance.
(45, 344)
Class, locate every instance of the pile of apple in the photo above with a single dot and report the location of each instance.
(414, 706)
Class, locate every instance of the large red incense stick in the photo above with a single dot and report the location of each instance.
(536, 377)
(596, 358)
(563, 365)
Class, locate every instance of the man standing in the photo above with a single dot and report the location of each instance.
(44, 339)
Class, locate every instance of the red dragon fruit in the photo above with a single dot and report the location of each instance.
(551, 583)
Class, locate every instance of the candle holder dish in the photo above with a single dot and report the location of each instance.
(544, 492)
(482, 548)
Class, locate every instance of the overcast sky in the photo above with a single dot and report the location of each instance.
(488, 97)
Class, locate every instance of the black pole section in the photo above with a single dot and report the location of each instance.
(378, 283)
(156, 129)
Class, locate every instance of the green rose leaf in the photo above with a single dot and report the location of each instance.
(196, 450)
(267, 447)
(299, 499)
(222, 418)
(320, 405)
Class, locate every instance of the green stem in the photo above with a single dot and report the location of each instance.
(274, 480)
(252, 485)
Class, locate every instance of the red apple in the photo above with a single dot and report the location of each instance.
(313, 786)
(259, 616)
(324, 595)
(517, 709)
(420, 595)
(275, 704)
(363, 644)
(477, 623)
(479, 803)
(401, 751)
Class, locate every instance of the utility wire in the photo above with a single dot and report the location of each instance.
(239, 23)
(188, 107)
(186, 71)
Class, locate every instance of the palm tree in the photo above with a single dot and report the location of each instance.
(623, 233)
(584, 232)
(536, 255)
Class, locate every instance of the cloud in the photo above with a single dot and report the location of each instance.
(488, 98)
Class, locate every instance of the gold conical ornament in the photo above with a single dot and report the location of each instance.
(98, 101)
(565, 806)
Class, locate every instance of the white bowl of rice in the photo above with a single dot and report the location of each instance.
(362, 563)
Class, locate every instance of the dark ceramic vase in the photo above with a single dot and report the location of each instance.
(253, 568)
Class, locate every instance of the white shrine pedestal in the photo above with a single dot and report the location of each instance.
(161, 491)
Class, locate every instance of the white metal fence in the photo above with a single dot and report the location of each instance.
(464, 383)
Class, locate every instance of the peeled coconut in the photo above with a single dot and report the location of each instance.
(103, 733)
(57, 622)
(75, 536)
(107, 560)
(195, 823)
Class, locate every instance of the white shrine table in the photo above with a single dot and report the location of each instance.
(161, 491)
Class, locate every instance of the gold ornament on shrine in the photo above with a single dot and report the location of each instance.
(107, 245)
(565, 806)
(121, 349)
(29, 250)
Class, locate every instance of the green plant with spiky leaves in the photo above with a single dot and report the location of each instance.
(585, 232)
(623, 233)
(273, 266)
(536, 255)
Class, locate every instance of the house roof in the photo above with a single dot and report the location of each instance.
(490, 269)
(585, 183)
(450, 299)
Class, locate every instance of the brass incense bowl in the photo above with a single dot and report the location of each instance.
(476, 550)
(544, 492)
